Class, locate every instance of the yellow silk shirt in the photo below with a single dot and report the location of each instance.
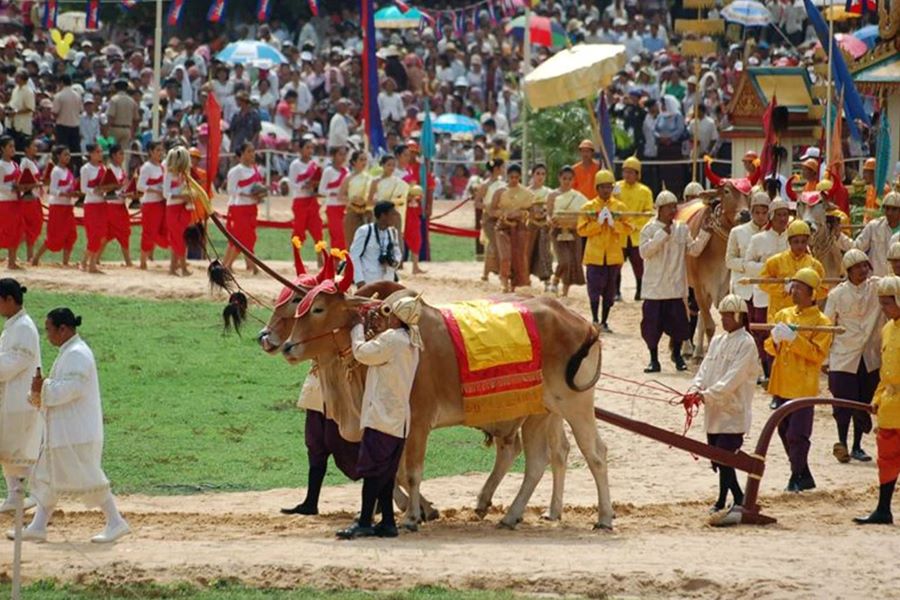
(785, 265)
(604, 243)
(795, 372)
(635, 197)
(887, 396)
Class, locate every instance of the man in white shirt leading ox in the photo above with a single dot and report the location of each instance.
(72, 448)
(392, 358)
(855, 359)
(375, 250)
(20, 422)
(663, 246)
(725, 384)
(875, 238)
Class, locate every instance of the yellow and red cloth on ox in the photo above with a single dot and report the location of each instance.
(498, 352)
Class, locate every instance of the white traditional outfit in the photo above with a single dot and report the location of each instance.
(21, 426)
(875, 241)
(762, 246)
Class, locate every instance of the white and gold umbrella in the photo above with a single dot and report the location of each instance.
(573, 74)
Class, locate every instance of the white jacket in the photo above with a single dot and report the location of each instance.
(761, 248)
(365, 254)
(727, 380)
(856, 309)
(21, 426)
(875, 240)
(392, 362)
(665, 274)
(71, 397)
(736, 258)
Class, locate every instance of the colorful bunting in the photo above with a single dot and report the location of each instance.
(174, 16)
(92, 15)
(264, 9)
(216, 11)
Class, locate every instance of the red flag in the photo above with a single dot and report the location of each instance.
(92, 15)
(767, 159)
(214, 143)
(836, 159)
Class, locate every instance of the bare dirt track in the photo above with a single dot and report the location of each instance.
(661, 546)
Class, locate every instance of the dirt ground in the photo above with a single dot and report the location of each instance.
(661, 546)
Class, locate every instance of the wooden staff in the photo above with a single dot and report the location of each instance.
(578, 213)
(757, 280)
(813, 328)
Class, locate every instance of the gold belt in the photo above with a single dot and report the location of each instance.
(359, 209)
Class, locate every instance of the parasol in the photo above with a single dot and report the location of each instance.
(391, 17)
(850, 44)
(747, 13)
(453, 123)
(867, 35)
(544, 31)
(251, 52)
(573, 74)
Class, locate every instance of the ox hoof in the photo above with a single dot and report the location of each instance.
(431, 515)
(504, 524)
(603, 526)
(481, 513)
(411, 527)
(551, 517)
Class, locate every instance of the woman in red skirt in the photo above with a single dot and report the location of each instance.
(245, 190)
(91, 178)
(61, 231)
(412, 233)
(10, 207)
(118, 221)
(178, 204)
(330, 188)
(30, 196)
(153, 206)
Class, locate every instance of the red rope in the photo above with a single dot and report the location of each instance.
(447, 212)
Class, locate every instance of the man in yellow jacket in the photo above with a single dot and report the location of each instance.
(887, 404)
(604, 230)
(784, 265)
(799, 356)
(636, 197)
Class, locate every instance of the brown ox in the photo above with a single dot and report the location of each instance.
(707, 273)
(436, 400)
(343, 393)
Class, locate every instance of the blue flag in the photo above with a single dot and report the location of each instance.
(843, 81)
(371, 112)
(882, 153)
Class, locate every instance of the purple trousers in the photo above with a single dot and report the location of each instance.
(601, 282)
(664, 316)
(859, 387)
(731, 442)
(794, 432)
(758, 315)
(379, 454)
(633, 254)
(323, 439)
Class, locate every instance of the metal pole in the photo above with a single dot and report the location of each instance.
(526, 54)
(268, 184)
(830, 91)
(157, 67)
(17, 544)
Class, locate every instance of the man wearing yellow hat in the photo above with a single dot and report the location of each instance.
(725, 382)
(785, 264)
(799, 356)
(887, 404)
(636, 197)
(663, 245)
(855, 354)
(875, 238)
(603, 256)
(586, 169)
(762, 246)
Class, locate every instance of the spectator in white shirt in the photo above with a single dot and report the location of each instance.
(390, 104)
(339, 126)
(375, 250)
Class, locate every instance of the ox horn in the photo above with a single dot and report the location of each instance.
(347, 279)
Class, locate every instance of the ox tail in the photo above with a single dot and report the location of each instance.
(575, 362)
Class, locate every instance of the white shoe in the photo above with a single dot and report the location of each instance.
(727, 518)
(10, 507)
(28, 535)
(111, 534)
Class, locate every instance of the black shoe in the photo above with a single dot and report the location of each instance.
(637, 296)
(860, 455)
(805, 482)
(876, 518)
(679, 362)
(356, 531)
(301, 509)
(773, 404)
(605, 328)
(792, 486)
(618, 296)
(653, 367)
(386, 531)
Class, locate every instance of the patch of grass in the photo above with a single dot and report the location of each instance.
(273, 244)
(189, 409)
(226, 590)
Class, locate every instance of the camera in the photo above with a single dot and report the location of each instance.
(387, 256)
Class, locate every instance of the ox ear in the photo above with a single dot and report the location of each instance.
(354, 302)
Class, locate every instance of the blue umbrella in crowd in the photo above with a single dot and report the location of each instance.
(251, 52)
(747, 13)
(453, 123)
(391, 17)
(867, 34)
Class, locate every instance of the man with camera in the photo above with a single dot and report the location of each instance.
(375, 250)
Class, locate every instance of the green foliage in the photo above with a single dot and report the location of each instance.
(188, 409)
(554, 134)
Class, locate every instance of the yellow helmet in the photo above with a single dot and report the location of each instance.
(732, 303)
(894, 251)
(890, 286)
(853, 257)
(808, 276)
(798, 227)
(604, 176)
(633, 163)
